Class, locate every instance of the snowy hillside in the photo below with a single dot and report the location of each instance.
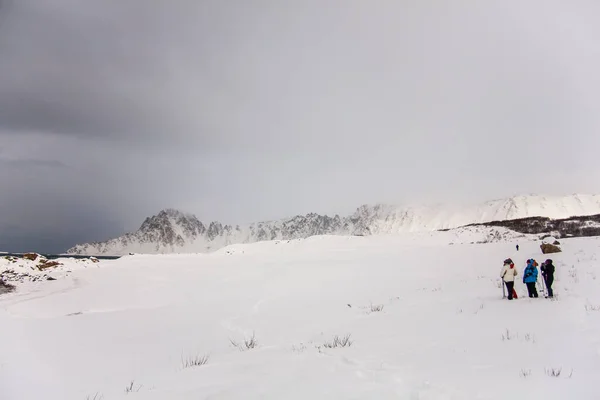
(425, 320)
(172, 231)
(19, 270)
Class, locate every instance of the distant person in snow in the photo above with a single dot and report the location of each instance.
(508, 274)
(548, 274)
(517, 247)
(530, 277)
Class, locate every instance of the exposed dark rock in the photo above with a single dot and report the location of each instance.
(548, 248)
(567, 227)
(45, 264)
(6, 287)
(30, 256)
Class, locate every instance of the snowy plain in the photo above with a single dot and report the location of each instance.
(444, 331)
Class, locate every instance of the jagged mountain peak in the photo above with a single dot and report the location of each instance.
(175, 231)
(171, 213)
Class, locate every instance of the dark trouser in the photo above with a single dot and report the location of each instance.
(532, 289)
(549, 281)
(510, 286)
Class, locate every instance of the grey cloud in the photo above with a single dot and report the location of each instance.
(244, 110)
(28, 163)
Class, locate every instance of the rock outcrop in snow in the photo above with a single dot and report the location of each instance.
(548, 248)
(32, 267)
(173, 231)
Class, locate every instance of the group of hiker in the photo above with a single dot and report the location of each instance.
(530, 277)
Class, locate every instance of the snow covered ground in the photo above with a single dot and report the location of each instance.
(444, 331)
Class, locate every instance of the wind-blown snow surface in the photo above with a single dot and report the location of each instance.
(172, 231)
(442, 333)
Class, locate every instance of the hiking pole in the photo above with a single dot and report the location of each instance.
(542, 283)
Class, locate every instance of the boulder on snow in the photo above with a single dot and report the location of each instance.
(94, 259)
(44, 264)
(548, 248)
(556, 243)
(30, 256)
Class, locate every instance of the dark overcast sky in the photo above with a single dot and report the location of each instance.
(242, 110)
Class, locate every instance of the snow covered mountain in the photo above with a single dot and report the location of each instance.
(172, 231)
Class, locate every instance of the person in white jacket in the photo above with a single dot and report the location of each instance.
(508, 274)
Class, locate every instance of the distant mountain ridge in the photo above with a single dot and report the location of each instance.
(172, 231)
(576, 226)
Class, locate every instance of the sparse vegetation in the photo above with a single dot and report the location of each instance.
(525, 373)
(554, 372)
(338, 342)
(573, 274)
(591, 307)
(376, 307)
(194, 361)
(299, 348)
(529, 338)
(97, 396)
(567, 227)
(6, 287)
(507, 335)
(132, 388)
(248, 344)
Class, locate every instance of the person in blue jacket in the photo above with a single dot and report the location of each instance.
(530, 277)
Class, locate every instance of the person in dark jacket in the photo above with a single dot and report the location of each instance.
(530, 276)
(548, 274)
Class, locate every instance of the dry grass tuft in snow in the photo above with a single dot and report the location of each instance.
(529, 338)
(525, 373)
(508, 335)
(97, 396)
(299, 348)
(591, 307)
(6, 287)
(338, 342)
(573, 274)
(556, 372)
(132, 388)
(194, 361)
(376, 307)
(248, 344)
